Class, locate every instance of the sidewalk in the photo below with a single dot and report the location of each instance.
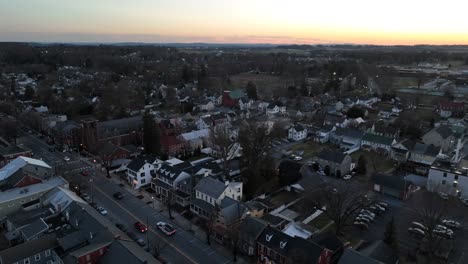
(181, 221)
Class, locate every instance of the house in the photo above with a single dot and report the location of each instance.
(441, 136)
(276, 108)
(40, 250)
(166, 183)
(229, 215)
(330, 242)
(139, 171)
(323, 134)
(377, 143)
(384, 130)
(449, 177)
(401, 150)
(195, 139)
(273, 246)
(347, 138)
(338, 162)
(209, 192)
(249, 231)
(66, 134)
(11, 152)
(231, 98)
(23, 182)
(170, 142)
(451, 109)
(393, 185)
(422, 157)
(309, 182)
(297, 132)
(245, 103)
(335, 120)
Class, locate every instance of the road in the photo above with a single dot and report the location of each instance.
(183, 247)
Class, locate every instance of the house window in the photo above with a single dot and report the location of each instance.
(455, 184)
(445, 174)
(142, 174)
(26, 261)
(456, 177)
(443, 182)
(47, 252)
(143, 181)
(37, 257)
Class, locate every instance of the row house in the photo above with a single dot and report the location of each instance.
(442, 136)
(168, 176)
(195, 139)
(377, 143)
(451, 109)
(346, 138)
(140, 171)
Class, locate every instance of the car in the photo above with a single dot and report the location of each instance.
(464, 201)
(141, 242)
(361, 225)
(121, 227)
(364, 211)
(443, 228)
(347, 177)
(362, 219)
(166, 228)
(375, 209)
(102, 210)
(370, 218)
(141, 227)
(416, 231)
(419, 226)
(321, 173)
(132, 235)
(85, 197)
(451, 223)
(84, 173)
(384, 205)
(297, 158)
(118, 195)
(378, 207)
(66, 158)
(444, 196)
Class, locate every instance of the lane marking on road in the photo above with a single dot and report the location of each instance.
(149, 227)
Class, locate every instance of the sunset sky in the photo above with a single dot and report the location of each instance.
(236, 21)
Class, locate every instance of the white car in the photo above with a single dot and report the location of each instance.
(416, 231)
(362, 219)
(444, 196)
(66, 159)
(102, 210)
(443, 228)
(443, 233)
(367, 212)
(418, 226)
(297, 158)
(166, 228)
(370, 218)
(347, 177)
(451, 223)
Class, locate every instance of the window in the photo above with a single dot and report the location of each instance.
(445, 174)
(37, 257)
(47, 253)
(143, 181)
(26, 261)
(456, 177)
(455, 184)
(443, 182)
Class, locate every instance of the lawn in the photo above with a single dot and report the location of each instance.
(283, 197)
(320, 221)
(310, 148)
(375, 162)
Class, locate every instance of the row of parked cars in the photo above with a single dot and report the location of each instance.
(443, 230)
(367, 216)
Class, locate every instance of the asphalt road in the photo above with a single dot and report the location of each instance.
(183, 247)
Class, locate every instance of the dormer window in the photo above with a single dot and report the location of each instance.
(283, 244)
(268, 237)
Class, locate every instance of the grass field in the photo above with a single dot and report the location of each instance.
(310, 148)
(375, 162)
(320, 221)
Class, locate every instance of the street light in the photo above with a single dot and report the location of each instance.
(92, 189)
(152, 201)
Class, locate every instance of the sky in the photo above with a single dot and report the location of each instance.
(402, 22)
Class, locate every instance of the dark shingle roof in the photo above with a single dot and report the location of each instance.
(328, 241)
(381, 252)
(299, 127)
(352, 257)
(34, 229)
(377, 139)
(252, 227)
(332, 155)
(138, 163)
(444, 131)
(28, 249)
(395, 182)
(211, 187)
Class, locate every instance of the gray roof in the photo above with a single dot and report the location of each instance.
(139, 162)
(349, 132)
(119, 126)
(377, 139)
(423, 149)
(352, 257)
(394, 182)
(332, 155)
(231, 209)
(444, 131)
(117, 253)
(34, 229)
(299, 127)
(12, 149)
(28, 249)
(72, 240)
(252, 227)
(211, 187)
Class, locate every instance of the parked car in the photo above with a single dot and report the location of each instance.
(418, 226)
(444, 196)
(141, 227)
(102, 210)
(66, 158)
(84, 173)
(375, 209)
(362, 219)
(141, 242)
(443, 233)
(370, 218)
(443, 228)
(464, 201)
(361, 225)
(451, 223)
(121, 227)
(297, 158)
(85, 197)
(118, 195)
(166, 228)
(347, 177)
(384, 205)
(364, 211)
(416, 231)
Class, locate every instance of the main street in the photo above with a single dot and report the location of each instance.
(183, 247)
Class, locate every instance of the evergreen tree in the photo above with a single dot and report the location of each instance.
(361, 165)
(390, 235)
(304, 90)
(251, 90)
(151, 135)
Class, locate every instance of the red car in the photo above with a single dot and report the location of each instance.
(84, 173)
(141, 227)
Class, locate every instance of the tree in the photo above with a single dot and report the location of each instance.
(158, 246)
(252, 90)
(151, 135)
(390, 235)
(221, 145)
(29, 93)
(355, 112)
(304, 91)
(9, 129)
(338, 173)
(107, 155)
(340, 203)
(326, 170)
(361, 167)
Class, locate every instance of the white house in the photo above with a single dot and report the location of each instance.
(139, 171)
(452, 180)
(297, 132)
(275, 108)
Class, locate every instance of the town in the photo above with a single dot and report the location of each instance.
(233, 154)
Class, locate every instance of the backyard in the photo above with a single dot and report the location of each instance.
(310, 148)
(375, 162)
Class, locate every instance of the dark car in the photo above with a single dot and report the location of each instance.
(118, 195)
(121, 227)
(141, 227)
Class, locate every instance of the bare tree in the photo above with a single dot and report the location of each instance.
(340, 203)
(221, 145)
(9, 129)
(158, 246)
(107, 155)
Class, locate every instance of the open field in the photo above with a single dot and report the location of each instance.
(310, 148)
(375, 162)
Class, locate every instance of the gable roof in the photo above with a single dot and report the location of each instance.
(328, 241)
(349, 132)
(236, 94)
(444, 131)
(28, 249)
(139, 162)
(211, 187)
(395, 182)
(252, 227)
(369, 137)
(332, 155)
(19, 163)
(299, 127)
(380, 251)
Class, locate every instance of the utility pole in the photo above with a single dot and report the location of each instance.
(147, 226)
